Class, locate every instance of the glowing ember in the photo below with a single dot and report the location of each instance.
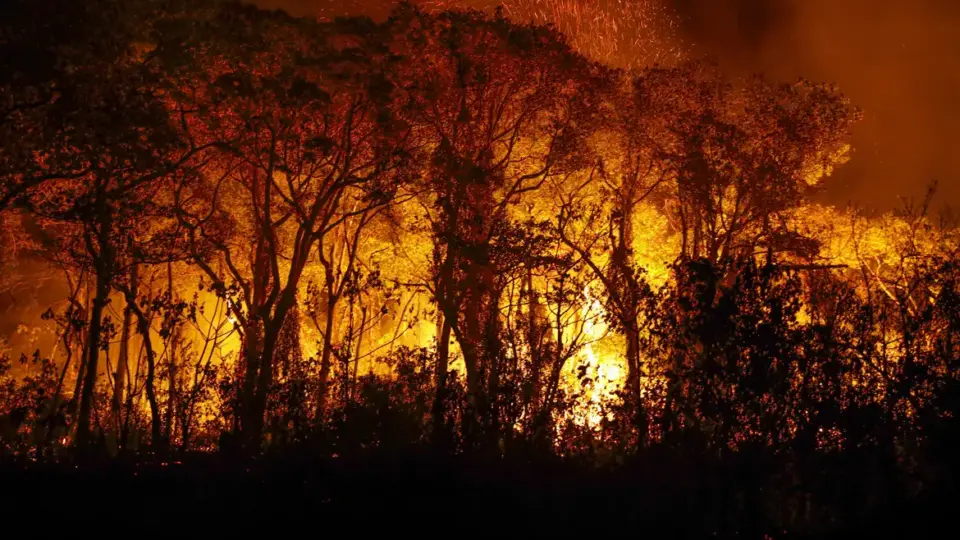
(624, 33)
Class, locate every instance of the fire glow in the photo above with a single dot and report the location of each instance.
(506, 231)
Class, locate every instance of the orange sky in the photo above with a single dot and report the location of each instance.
(897, 59)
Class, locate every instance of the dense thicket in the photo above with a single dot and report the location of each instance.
(454, 233)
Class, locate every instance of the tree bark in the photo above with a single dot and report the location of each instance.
(119, 378)
(170, 423)
(103, 257)
(143, 328)
(325, 362)
(254, 428)
(93, 356)
(438, 411)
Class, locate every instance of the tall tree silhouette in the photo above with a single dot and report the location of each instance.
(302, 119)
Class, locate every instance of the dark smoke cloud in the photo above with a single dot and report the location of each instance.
(897, 59)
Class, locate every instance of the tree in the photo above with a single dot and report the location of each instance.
(503, 108)
(48, 52)
(740, 158)
(302, 116)
(115, 132)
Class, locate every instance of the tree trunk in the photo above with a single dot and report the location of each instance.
(493, 350)
(69, 345)
(322, 391)
(132, 378)
(119, 378)
(325, 363)
(172, 347)
(271, 332)
(143, 326)
(252, 348)
(253, 427)
(535, 334)
(74, 404)
(358, 352)
(103, 258)
(171, 417)
(438, 411)
(81, 354)
(632, 337)
(93, 356)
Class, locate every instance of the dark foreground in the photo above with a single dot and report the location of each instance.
(421, 495)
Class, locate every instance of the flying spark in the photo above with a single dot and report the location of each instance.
(623, 33)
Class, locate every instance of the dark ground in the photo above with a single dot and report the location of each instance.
(422, 496)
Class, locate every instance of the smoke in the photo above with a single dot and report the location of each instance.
(897, 59)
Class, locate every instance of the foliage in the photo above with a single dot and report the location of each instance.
(453, 234)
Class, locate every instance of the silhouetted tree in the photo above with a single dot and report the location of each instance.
(303, 121)
(504, 108)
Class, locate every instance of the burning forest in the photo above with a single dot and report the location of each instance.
(539, 236)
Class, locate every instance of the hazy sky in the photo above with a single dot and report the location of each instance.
(897, 59)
